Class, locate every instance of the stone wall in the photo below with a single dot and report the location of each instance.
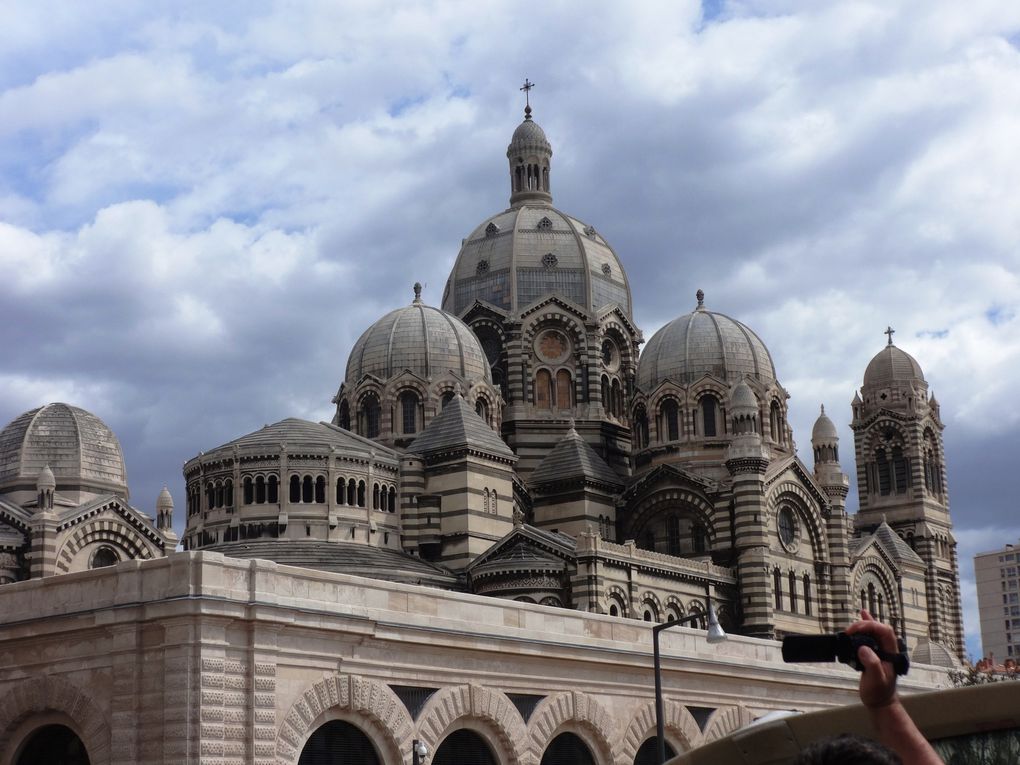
(200, 658)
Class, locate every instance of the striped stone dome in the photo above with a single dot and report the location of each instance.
(892, 365)
(704, 342)
(79, 448)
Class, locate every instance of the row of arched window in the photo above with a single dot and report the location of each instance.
(612, 396)
(261, 489)
(874, 601)
(682, 537)
(531, 177)
(554, 391)
(797, 604)
(489, 501)
(705, 420)
(890, 472)
(409, 414)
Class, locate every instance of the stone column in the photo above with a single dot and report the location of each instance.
(748, 471)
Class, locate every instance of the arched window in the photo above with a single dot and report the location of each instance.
(464, 746)
(248, 490)
(613, 610)
(807, 594)
(900, 470)
(295, 489)
(372, 414)
(409, 412)
(708, 410)
(361, 493)
(375, 496)
(219, 494)
(446, 399)
(228, 493)
(872, 603)
(793, 592)
(393, 500)
(352, 493)
(53, 744)
(775, 422)
(344, 416)
(482, 409)
(671, 419)
(673, 535)
(640, 428)
(306, 489)
(564, 390)
(103, 557)
(606, 403)
(274, 490)
(617, 393)
(543, 389)
(320, 489)
(777, 587)
(698, 535)
(650, 540)
(882, 463)
(341, 490)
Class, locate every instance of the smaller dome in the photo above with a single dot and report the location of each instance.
(528, 137)
(704, 342)
(824, 429)
(890, 366)
(165, 501)
(46, 480)
(425, 340)
(742, 399)
(78, 448)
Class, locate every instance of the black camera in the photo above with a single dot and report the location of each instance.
(840, 647)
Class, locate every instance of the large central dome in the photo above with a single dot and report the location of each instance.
(533, 250)
(704, 342)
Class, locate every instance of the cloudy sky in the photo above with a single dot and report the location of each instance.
(202, 205)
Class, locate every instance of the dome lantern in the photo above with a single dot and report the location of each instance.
(530, 156)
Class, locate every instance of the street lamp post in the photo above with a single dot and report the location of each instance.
(715, 635)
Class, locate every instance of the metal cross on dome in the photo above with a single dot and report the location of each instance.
(526, 87)
(889, 331)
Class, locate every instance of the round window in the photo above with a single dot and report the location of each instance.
(788, 528)
(610, 355)
(552, 346)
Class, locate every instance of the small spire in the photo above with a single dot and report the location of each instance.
(417, 292)
(573, 429)
(458, 390)
(823, 408)
(700, 295)
(889, 331)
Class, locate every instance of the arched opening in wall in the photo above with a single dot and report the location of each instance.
(375, 496)
(775, 422)
(228, 493)
(698, 538)
(901, 468)
(543, 389)
(564, 390)
(464, 746)
(482, 409)
(640, 428)
(306, 489)
(617, 395)
(408, 412)
(709, 407)
(447, 398)
(670, 420)
(884, 482)
(352, 493)
(339, 742)
(273, 493)
(53, 745)
(392, 504)
(648, 753)
(344, 416)
(567, 749)
(320, 490)
(248, 490)
(103, 557)
(371, 417)
(295, 489)
(361, 493)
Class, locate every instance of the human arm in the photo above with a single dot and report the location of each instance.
(878, 694)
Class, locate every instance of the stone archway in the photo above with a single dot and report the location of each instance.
(575, 708)
(680, 727)
(491, 709)
(724, 721)
(43, 695)
(372, 703)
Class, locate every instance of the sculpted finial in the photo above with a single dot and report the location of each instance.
(700, 295)
(417, 292)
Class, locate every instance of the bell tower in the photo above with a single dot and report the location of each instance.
(901, 478)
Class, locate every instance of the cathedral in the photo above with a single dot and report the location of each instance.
(524, 442)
